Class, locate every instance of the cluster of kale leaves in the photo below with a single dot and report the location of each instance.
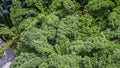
(61, 33)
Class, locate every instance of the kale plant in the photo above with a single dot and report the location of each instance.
(65, 33)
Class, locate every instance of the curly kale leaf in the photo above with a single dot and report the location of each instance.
(63, 7)
(18, 15)
(29, 60)
(99, 8)
(94, 5)
(114, 17)
(36, 39)
(58, 61)
(113, 30)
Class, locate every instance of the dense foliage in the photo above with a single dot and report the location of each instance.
(64, 33)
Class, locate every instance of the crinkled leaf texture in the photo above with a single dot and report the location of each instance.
(26, 60)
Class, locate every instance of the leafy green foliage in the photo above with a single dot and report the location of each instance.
(28, 61)
(117, 2)
(113, 32)
(4, 13)
(99, 8)
(94, 5)
(65, 33)
(12, 26)
(58, 61)
(11, 38)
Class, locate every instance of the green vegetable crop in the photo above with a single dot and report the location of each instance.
(64, 33)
